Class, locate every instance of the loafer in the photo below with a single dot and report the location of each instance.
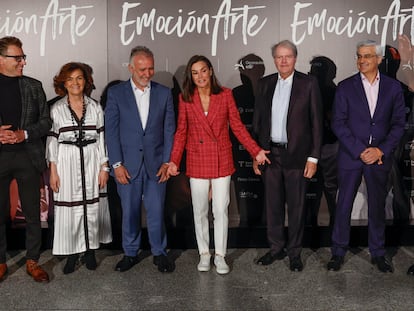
(335, 263)
(221, 265)
(36, 272)
(411, 270)
(126, 263)
(382, 263)
(90, 260)
(70, 264)
(3, 271)
(163, 263)
(295, 264)
(204, 264)
(269, 258)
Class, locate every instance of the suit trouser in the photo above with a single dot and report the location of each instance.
(220, 188)
(327, 172)
(284, 186)
(18, 165)
(349, 180)
(143, 189)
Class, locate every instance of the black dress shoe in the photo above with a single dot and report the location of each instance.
(296, 264)
(382, 264)
(89, 259)
(163, 263)
(126, 263)
(411, 270)
(70, 264)
(335, 263)
(269, 258)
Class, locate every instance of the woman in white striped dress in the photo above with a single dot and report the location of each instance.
(78, 164)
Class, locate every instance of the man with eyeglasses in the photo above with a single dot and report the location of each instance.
(287, 121)
(368, 119)
(24, 120)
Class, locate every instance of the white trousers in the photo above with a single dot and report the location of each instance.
(220, 188)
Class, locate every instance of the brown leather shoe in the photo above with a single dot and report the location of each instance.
(36, 272)
(3, 271)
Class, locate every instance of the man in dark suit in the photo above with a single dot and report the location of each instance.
(288, 121)
(24, 120)
(139, 128)
(368, 119)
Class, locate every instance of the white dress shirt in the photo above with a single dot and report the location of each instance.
(280, 107)
(371, 92)
(142, 98)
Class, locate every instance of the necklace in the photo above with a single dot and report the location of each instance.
(79, 124)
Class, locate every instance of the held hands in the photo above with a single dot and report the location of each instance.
(172, 169)
(163, 173)
(260, 159)
(8, 136)
(371, 155)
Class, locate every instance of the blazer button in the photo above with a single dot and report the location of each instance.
(201, 141)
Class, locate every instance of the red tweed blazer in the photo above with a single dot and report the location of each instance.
(206, 138)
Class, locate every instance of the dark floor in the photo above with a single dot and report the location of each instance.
(358, 286)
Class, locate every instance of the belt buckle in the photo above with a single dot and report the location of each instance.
(279, 145)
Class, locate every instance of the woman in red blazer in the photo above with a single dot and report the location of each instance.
(206, 110)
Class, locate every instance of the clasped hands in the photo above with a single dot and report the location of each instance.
(8, 136)
(371, 155)
(260, 159)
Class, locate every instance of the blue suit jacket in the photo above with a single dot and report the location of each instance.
(353, 125)
(127, 141)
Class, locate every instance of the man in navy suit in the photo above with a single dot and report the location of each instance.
(368, 119)
(140, 124)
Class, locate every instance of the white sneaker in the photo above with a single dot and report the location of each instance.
(221, 266)
(204, 264)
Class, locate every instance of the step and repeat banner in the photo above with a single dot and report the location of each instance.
(236, 35)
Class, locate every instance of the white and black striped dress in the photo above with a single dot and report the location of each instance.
(74, 230)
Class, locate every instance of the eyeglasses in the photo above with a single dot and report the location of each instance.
(284, 57)
(18, 58)
(365, 56)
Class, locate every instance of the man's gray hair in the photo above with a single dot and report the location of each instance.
(140, 50)
(378, 48)
(287, 44)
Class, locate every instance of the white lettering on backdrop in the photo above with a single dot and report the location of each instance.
(229, 16)
(56, 17)
(245, 19)
(304, 25)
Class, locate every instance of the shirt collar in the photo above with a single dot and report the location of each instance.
(363, 78)
(288, 79)
(135, 89)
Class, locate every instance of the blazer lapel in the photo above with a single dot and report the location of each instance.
(382, 95)
(129, 99)
(199, 113)
(359, 88)
(295, 90)
(25, 101)
(213, 109)
(271, 91)
(152, 105)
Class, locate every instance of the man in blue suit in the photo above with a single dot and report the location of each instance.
(139, 128)
(368, 119)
